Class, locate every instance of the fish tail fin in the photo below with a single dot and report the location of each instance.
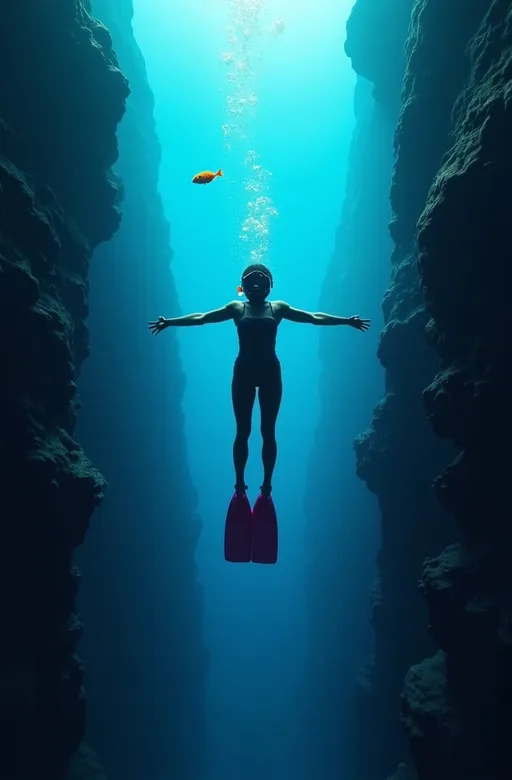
(219, 172)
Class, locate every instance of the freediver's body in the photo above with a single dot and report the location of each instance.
(257, 366)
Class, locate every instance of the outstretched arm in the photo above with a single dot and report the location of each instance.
(223, 314)
(319, 318)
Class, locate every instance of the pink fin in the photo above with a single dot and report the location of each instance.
(264, 534)
(237, 535)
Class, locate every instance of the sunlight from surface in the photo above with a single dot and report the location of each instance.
(258, 76)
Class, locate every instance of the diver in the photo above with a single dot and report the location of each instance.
(257, 365)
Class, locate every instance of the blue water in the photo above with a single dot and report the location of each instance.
(299, 131)
(263, 90)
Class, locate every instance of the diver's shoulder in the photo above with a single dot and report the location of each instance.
(235, 307)
(280, 305)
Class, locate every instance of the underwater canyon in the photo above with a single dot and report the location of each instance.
(408, 655)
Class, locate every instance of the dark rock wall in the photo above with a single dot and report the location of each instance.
(458, 703)
(376, 33)
(398, 456)
(445, 351)
(61, 98)
(146, 662)
(85, 766)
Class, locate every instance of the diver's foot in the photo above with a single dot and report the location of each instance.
(240, 489)
(266, 489)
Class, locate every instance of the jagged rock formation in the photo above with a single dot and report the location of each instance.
(445, 355)
(85, 766)
(399, 455)
(458, 703)
(61, 98)
(376, 33)
(146, 661)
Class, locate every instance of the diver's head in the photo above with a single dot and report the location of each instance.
(257, 282)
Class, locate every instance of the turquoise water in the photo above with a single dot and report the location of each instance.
(264, 91)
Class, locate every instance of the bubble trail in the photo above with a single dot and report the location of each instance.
(246, 35)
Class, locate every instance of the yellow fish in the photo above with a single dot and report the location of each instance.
(205, 177)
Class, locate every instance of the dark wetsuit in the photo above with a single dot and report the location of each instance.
(257, 366)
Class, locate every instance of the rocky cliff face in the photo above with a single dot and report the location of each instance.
(146, 661)
(458, 703)
(445, 352)
(61, 98)
(399, 455)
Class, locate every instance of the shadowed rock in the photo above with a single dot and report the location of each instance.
(61, 97)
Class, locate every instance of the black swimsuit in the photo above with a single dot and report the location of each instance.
(257, 363)
(257, 366)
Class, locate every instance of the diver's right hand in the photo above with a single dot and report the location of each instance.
(158, 325)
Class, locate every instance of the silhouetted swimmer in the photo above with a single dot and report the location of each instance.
(257, 365)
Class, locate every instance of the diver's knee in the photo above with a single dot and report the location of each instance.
(268, 434)
(243, 433)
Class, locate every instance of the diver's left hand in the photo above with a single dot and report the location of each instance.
(357, 323)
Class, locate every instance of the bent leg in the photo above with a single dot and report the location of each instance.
(243, 394)
(269, 396)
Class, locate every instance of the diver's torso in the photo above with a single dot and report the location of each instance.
(257, 332)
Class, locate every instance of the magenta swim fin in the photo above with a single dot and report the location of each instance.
(264, 531)
(238, 531)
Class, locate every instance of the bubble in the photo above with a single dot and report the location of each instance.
(247, 32)
(277, 27)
